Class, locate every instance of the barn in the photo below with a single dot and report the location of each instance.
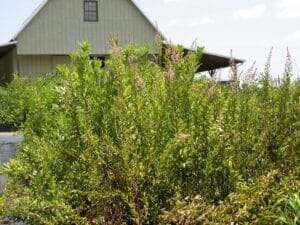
(56, 27)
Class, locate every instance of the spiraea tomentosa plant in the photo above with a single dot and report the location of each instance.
(95, 138)
(114, 145)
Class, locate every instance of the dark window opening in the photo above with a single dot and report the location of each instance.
(91, 10)
(102, 59)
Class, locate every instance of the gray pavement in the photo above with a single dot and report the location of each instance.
(8, 141)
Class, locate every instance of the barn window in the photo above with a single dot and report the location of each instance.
(91, 10)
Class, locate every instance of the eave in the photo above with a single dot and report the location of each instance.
(6, 47)
(210, 62)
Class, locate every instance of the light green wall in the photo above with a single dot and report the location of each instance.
(33, 65)
(28, 65)
(7, 66)
(59, 26)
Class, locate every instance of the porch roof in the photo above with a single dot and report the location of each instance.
(210, 61)
(6, 47)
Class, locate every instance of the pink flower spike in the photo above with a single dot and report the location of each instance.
(174, 55)
(140, 83)
(231, 60)
(170, 75)
(115, 48)
(157, 32)
(289, 56)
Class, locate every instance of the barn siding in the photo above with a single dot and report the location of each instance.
(33, 65)
(59, 26)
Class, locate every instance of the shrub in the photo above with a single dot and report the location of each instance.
(255, 203)
(17, 99)
(14, 102)
(115, 145)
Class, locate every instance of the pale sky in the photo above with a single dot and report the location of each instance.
(249, 27)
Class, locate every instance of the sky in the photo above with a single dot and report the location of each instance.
(250, 28)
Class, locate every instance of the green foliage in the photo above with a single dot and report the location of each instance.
(118, 144)
(17, 100)
(291, 212)
(255, 203)
(14, 102)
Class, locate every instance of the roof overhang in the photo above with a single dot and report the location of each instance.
(5, 48)
(211, 62)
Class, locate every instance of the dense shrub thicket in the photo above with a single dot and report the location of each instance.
(14, 102)
(135, 143)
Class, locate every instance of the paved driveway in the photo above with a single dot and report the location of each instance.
(7, 150)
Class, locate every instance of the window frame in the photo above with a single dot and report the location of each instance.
(85, 11)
